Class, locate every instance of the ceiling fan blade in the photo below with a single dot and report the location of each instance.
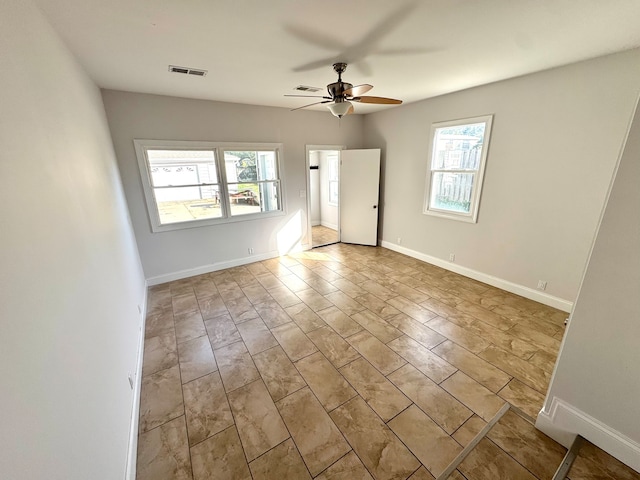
(315, 38)
(311, 104)
(358, 90)
(315, 64)
(378, 100)
(406, 51)
(351, 110)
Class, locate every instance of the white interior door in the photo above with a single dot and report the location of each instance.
(359, 193)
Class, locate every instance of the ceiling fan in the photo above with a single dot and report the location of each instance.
(341, 94)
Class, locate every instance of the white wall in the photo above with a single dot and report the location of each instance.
(555, 140)
(595, 391)
(181, 253)
(328, 212)
(70, 276)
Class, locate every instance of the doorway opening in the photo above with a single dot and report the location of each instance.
(324, 194)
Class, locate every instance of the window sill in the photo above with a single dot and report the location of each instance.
(169, 227)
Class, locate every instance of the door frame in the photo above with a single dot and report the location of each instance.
(308, 150)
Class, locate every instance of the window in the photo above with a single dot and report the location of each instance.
(456, 166)
(189, 184)
(334, 185)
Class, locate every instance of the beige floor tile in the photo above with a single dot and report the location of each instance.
(382, 453)
(337, 350)
(412, 309)
(160, 398)
(294, 283)
(235, 365)
(503, 340)
(279, 374)
(379, 328)
(379, 393)
(469, 430)
(205, 288)
(527, 373)
(241, 309)
(222, 331)
(378, 290)
(426, 440)
(318, 439)
(159, 322)
(284, 297)
(196, 358)
(423, 359)
(160, 353)
(485, 315)
(438, 307)
(325, 381)
(212, 306)
(189, 326)
(257, 419)
(523, 397)
(293, 341)
(164, 453)
(536, 338)
(423, 474)
(472, 342)
(377, 306)
(593, 463)
(320, 285)
(420, 333)
(327, 274)
(408, 292)
(256, 336)
(348, 467)
(482, 401)
(304, 317)
(348, 287)
(436, 402)
(257, 294)
(186, 303)
(344, 302)
(376, 352)
(206, 407)
(339, 321)
(481, 371)
(269, 281)
(488, 462)
(313, 299)
(280, 463)
(528, 446)
(545, 361)
(221, 457)
(272, 314)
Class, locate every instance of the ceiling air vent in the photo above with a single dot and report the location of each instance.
(187, 71)
(306, 88)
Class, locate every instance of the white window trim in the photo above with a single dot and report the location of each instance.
(141, 145)
(472, 216)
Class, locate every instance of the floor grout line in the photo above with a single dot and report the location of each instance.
(472, 444)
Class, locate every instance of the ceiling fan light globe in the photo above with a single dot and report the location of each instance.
(339, 109)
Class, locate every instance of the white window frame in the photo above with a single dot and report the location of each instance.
(472, 216)
(142, 145)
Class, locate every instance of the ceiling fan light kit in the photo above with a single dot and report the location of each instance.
(341, 94)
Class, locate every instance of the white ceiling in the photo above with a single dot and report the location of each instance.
(252, 48)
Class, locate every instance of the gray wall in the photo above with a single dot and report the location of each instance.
(180, 253)
(597, 370)
(70, 276)
(555, 141)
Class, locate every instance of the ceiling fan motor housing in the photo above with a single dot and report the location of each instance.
(336, 90)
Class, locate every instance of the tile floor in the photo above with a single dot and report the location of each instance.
(345, 362)
(323, 235)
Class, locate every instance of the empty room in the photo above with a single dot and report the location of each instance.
(303, 240)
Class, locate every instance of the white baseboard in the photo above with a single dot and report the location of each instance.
(332, 226)
(191, 272)
(132, 453)
(315, 223)
(530, 293)
(564, 421)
